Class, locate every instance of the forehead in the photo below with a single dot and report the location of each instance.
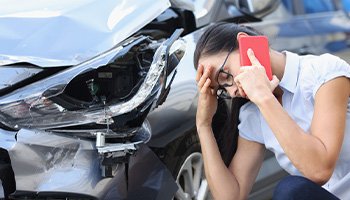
(215, 60)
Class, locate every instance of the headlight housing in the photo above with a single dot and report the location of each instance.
(48, 104)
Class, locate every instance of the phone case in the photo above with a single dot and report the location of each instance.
(260, 46)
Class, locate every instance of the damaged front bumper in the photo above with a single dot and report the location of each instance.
(90, 150)
(52, 165)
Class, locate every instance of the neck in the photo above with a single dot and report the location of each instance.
(278, 63)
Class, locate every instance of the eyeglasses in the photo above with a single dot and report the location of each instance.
(224, 79)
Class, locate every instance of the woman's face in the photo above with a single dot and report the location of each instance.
(223, 77)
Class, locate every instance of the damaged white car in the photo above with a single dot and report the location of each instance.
(98, 99)
(79, 90)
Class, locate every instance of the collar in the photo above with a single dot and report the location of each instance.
(291, 72)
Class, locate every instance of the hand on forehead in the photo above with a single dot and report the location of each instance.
(213, 70)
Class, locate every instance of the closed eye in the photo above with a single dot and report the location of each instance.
(224, 76)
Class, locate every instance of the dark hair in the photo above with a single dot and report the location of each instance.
(217, 38)
(220, 37)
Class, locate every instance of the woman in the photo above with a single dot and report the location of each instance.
(302, 115)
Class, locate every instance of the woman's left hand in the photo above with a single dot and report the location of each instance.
(252, 81)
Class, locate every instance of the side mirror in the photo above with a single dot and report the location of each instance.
(257, 8)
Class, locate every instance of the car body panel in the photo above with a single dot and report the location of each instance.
(68, 33)
(16, 75)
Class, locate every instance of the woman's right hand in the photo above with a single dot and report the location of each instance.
(207, 101)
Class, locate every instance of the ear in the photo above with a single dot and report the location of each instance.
(241, 34)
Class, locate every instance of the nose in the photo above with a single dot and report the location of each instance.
(233, 91)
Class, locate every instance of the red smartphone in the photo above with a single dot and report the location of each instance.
(260, 46)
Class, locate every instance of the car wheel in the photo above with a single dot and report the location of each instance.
(184, 159)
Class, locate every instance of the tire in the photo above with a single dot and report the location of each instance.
(183, 158)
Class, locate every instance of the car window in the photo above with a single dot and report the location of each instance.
(301, 7)
(316, 6)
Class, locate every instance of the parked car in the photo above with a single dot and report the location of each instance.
(98, 100)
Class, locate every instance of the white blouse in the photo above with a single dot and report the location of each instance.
(302, 78)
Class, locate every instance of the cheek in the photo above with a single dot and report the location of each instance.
(235, 65)
(235, 70)
(232, 90)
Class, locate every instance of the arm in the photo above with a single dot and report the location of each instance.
(314, 154)
(236, 181)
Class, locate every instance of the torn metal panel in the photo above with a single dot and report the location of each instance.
(76, 30)
(41, 161)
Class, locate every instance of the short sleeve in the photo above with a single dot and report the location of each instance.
(250, 126)
(319, 70)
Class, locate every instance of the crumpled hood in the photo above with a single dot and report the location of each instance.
(65, 32)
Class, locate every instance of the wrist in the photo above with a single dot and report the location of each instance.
(265, 99)
(204, 128)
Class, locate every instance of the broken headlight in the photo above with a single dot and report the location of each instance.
(114, 83)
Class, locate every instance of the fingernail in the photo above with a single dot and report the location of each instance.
(250, 51)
